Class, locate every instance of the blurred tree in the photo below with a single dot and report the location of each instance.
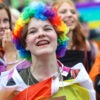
(19, 4)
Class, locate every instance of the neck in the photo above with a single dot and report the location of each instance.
(45, 68)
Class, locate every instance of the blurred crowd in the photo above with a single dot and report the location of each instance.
(83, 45)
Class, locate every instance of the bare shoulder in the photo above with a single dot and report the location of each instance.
(88, 45)
(96, 47)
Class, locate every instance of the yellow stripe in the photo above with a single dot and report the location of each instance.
(94, 24)
(73, 92)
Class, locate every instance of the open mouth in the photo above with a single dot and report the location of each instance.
(69, 23)
(42, 43)
(2, 32)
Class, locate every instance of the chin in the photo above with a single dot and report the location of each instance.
(72, 27)
(45, 52)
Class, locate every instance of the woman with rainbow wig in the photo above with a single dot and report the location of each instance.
(41, 37)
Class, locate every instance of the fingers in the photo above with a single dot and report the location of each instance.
(8, 93)
(7, 39)
(7, 36)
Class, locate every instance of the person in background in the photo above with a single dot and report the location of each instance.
(40, 36)
(14, 15)
(78, 48)
(95, 36)
(7, 51)
(95, 76)
(88, 35)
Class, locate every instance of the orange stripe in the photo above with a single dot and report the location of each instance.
(38, 91)
(95, 69)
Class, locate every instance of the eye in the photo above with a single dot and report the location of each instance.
(73, 11)
(6, 20)
(32, 32)
(63, 11)
(48, 29)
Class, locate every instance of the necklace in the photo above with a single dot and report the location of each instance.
(54, 76)
(31, 79)
(27, 87)
(28, 83)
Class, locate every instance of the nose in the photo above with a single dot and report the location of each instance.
(41, 34)
(69, 13)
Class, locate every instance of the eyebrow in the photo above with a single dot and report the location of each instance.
(32, 28)
(47, 26)
(42, 26)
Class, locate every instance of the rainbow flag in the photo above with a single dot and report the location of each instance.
(77, 87)
(90, 12)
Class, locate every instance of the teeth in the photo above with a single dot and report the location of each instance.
(69, 21)
(44, 42)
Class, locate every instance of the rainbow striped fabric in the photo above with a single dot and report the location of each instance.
(90, 12)
(78, 87)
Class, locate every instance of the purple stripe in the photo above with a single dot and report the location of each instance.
(2, 68)
(67, 69)
(84, 5)
(10, 74)
(25, 64)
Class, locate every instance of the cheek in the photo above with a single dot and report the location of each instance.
(53, 36)
(7, 25)
(62, 15)
(29, 40)
(54, 39)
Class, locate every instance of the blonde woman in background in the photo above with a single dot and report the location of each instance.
(78, 49)
(89, 36)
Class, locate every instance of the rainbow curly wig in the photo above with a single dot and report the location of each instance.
(40, 10)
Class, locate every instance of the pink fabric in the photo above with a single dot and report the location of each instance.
(2, 68)
(67, 69)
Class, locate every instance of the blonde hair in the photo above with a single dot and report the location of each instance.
(78, 35)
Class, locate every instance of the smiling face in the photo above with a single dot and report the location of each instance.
(4, 22)
(41, 38)
(68, 14)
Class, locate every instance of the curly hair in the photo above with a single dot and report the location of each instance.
(39, 10)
